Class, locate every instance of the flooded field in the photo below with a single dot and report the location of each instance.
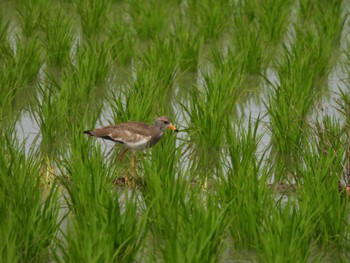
(258, 172)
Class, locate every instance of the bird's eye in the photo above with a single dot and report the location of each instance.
(166, 123)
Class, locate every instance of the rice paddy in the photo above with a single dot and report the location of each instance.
(260, 168)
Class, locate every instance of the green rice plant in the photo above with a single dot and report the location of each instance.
(329, 135)
(74, 100)
(205, 133)
(29, 215)
(58, 37)
(91, 66)
(344, 109)
(50, 119)
(199, 234)
(183, 85)
(94, 17)
(211, 18)
(7, 116)
(189, 44)
(247, 39)
(321, 174)
(317, 51)
(287, 129)
(243, 188)
(4, 39)
(249, 84)
(104, 224)
(258, 27)
(209, 109)
(123, 42)
(6, 92)
(291, 102)
(149, 93)
(185, 224)
(326, 18)
(287, 234)
(306, 9)
(27, 61)
(249, 46)
(161, 171)
(139, 100)
(84, 83)
(151, 19)
(130, 104)
(30, 15)
(19, 74)
(273, 18)
(299, 74)
(161, 60)
(202, 195)
(164, 158)
(331, 19)
(320, 25)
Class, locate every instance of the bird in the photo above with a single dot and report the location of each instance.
(135, 136)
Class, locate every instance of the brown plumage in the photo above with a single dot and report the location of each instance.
(134, 135)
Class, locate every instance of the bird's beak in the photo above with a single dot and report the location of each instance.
(172, 127)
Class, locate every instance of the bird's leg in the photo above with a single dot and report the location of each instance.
(121, 155)
(133, 169)
(126, 180)
(347, 190)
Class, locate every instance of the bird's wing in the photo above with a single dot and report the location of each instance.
(131, 132)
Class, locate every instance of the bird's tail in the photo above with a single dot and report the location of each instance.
(88, 133)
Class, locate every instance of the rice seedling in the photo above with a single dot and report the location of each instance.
(30, 15)
(287, 132)
(104, 224)
(246, 38)
(287, 235)
(4, 26)
(161, 162)
(50, 120)
(140, 100)
(29, 214)
(209, 110)
(294, 96)
(161, 61)
(189, 44)
(73, 100)
(123, 42)
(273, 19)
(151, 19)
(58, 37)
(321, 174)
(206, 150)
(184, 224)
(210, 18)
(244, 187)
(326, 19)
(149, 93)
(249, 84)
(198, 234)
(25, 64)
(344, 109)
(6, 94)
(19, 74)
(332, 20)
(85, 84)
(91, 67)
(94, 17)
